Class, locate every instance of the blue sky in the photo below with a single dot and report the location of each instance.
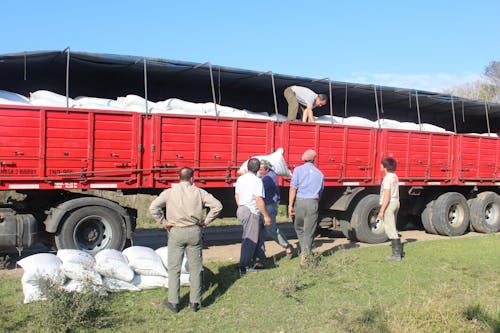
(425, 44)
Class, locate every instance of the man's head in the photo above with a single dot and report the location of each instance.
(253, 165)
(265, 166)
(389, 164)
(309, 156)
(186, 174)
(321, 100)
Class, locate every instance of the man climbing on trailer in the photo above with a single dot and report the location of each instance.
(305, 100)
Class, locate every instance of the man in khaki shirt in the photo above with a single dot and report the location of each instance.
(184, 204)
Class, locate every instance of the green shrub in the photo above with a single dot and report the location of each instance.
(70, 311)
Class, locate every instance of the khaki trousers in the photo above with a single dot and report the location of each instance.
(186, 239)
(390, 214)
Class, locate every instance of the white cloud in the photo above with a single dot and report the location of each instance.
(430, 82)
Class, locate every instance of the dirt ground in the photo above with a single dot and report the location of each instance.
(231, 253)
(335, 241)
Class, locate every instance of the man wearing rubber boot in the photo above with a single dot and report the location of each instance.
(389, 206)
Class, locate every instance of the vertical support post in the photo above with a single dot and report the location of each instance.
(454, 117)
(376, 104)
(487, 117)
(274, 95)
(213, 88)
(331, 98)
(25, 61)
(418, 111)
(145, 70)
(67, 77)
(345, 101)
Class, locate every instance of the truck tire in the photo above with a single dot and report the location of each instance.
(485, 212)
(92, 229)
(450, 214)
(364, 218)
(426, 219)
(347, 230)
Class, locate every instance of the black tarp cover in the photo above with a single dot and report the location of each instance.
(111, 76)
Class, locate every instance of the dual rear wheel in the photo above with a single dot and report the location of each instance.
(451, 214)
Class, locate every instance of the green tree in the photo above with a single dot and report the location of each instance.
(485, 89)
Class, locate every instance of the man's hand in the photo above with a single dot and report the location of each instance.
(291, 210)
(267, 221)
(169, 226)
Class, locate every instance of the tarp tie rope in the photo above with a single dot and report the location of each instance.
(376, 105)
(453, 113)
(418, 111)
(145, 70)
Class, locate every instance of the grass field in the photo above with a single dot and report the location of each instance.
(441, 286)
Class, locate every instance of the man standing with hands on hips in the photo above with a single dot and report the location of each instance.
(306, 188)
(184, 204)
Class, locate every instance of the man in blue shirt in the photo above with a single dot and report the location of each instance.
(303, 203)
(272, 199)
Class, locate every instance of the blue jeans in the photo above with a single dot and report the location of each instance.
(272, 230)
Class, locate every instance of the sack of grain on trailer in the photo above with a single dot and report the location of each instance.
(277, 161)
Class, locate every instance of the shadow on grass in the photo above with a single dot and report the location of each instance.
(219, 283)
(478, 313)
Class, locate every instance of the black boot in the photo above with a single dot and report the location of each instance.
(396, 250)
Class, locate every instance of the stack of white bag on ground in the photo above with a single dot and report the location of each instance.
(136, 268)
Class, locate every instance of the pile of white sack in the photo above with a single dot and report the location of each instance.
(135, 268)
(177, 106)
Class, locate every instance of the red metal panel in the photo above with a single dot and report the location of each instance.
(19, 143)
(66, 140)
(345, 154)
(479, 158)
(421, 156)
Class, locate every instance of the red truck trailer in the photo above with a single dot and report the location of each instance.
(449, 181)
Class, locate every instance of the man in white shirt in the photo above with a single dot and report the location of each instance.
(303, 99)
(389, 206)
(249, 192)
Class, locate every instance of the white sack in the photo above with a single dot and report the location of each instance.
(113, 264)
(175, 103)
(49, 98)
(185, 279)
(163, 253)
(359, 121)
(36, 267)
(78, 286)
(150, 281)
(130, 100)
(114, 285)
(76, 256)
(79, 265)
(41, 265)
(277, 161)
(144, 260)
(389, 123)
(432, 128)
(7, 97)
